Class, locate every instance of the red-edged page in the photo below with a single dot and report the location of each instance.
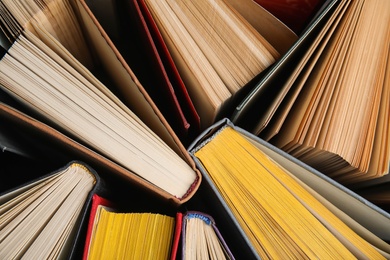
(168, 67)
(96, 201)
(177, 235)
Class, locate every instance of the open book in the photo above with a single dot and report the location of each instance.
(281, 207)
(40, 219)
(43, 74)
(327, 101)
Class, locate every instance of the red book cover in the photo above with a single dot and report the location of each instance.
(96, 201)
(296, 14)
(177, 235)
(166, 69)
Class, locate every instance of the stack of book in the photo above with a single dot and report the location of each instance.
(210, 129)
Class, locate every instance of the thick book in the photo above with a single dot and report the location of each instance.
(201, 238)
(326, 101)
(41, 73)
(44, 217)
(46, 147)
(218, 58)
(250, 197)
(118, 233)
(92, 47)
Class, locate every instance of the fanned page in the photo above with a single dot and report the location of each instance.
(338, 122)
(325, 101)
(39, 221)
(215, 57)
(279, 216)
(86, 109)
(273, 117)
(270, 90)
